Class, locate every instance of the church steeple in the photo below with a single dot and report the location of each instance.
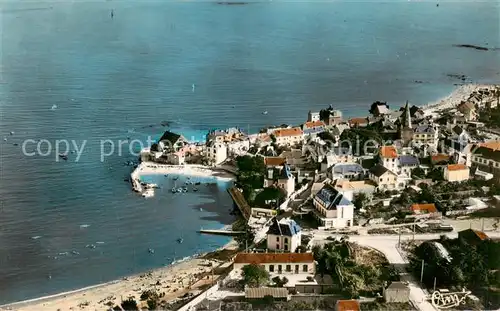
(406, 122)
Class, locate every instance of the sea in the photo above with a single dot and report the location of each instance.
(71, 72)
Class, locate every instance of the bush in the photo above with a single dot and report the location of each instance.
(152, 304)
(129, 304)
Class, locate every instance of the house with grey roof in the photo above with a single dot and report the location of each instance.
(332, 208)
(280, 177)
(351, 171)
(407, 163)
(427, 134)
(284, 235)
(383, 177)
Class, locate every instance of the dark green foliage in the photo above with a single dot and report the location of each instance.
(269, 194)
(435, 174)
(472, 266)
(360, 200)
(152, 304)
(280, 282)
(490, 117)
(243, 239)
(129, 304)
(362, 140)
(149, 294)
(418, 173)
(250, 173)
(255, 275)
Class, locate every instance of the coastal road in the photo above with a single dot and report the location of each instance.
(387, 244)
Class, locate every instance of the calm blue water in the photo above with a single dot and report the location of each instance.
(113, 78)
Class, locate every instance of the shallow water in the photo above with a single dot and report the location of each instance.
(118, 78)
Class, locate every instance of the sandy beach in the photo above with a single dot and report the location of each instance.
(145, 168)
(458, 95)
(191, 275)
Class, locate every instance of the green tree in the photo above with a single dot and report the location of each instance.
(245, 239)
(255, 275)
(152, 304)
(280, 282)
(418, 173)
(129, 305)
(360, 200)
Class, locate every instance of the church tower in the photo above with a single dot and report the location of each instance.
(406, 130)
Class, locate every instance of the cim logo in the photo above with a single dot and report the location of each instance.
(446, 300)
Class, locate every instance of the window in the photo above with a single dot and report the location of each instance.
(277, 239)
(286, 247)
(288, 268)
(279, 269)
(277, 246)
(271, 268)
(304, 268)
(296, 268)
(286, 240)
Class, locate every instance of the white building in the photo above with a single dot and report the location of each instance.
(289, 136)
(216, 152)
(333, 209)
(389, 158)
(280, 177)
(278, 264)
(238, 146)
(284, 235)
(312, 116)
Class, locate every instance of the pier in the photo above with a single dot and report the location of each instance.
(221, 232)
(240, 202)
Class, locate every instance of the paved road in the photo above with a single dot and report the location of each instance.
(387, 244)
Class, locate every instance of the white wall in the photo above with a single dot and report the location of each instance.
(277, 242)
(311, 267)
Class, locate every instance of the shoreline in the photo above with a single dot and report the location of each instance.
(452, 100)
(97, 295)
(125, 286)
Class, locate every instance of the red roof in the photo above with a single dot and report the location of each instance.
(313, 124)
(274, 161)
(457, 167)
(295, 131)
(429, 208)
(388, 152)
(263, 258)
(438, 158)
(347, 305)
(357, 121)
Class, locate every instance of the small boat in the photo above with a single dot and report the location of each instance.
(197, 183)
(180, 240)
(174, 190)
(63, 156)
(264, 113)
(151, 251)
(148, 193)
(179, 190)
(184, 189)
(195, 189)
(175, 178)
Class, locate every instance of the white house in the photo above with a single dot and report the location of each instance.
(278, 263)
(238, 146)
(383, 177)
(216, 152)
(284, 235)
(332, 208)
(289, 136)
(389, 158)
(280, 177)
